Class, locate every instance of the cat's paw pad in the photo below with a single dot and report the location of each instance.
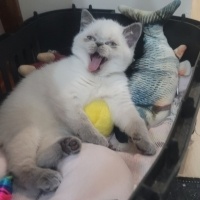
(71, 145)
(49, 180)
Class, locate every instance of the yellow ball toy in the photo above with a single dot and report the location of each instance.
(99, 114)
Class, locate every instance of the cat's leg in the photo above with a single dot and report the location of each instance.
(54, 147)
(85, 130)
(126, 117)
(21, 156)
(77, 122)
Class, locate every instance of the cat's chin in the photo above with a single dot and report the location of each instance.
(96, 61)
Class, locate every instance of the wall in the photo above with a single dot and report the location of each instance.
(196, 9)
(140, 4)
(28, 6)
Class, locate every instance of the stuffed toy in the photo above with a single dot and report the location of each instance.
(156, 70)
(6, 188)
(43, 59)
(98, 113)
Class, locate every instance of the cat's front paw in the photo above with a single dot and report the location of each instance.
(146, 148)
(142, 139)
(90, 135)
(98, 139)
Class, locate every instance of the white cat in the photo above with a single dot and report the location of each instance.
(46, 108)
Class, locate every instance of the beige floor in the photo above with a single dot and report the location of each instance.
(191, 163)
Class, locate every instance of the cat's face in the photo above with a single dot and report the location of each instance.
(105, 45)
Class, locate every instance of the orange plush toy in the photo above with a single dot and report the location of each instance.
(43, 58)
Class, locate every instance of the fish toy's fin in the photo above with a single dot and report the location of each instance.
(180, 50)
(148, 17)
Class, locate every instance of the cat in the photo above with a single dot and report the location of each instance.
(43, 120)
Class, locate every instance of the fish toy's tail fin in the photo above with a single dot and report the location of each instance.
(147, 17)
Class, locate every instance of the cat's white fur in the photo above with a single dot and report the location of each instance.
(47, 106)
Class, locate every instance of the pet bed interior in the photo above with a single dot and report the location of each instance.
(55, 30)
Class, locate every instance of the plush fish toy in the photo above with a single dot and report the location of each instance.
(154, 81)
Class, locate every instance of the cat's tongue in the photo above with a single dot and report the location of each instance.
(95, 63)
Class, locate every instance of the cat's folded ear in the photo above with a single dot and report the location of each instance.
(132, 34)
(86, 19)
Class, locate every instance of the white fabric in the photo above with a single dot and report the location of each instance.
(95, 173)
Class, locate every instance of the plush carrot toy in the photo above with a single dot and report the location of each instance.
(43, 59)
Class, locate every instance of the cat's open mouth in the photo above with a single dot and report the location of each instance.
(96, 62)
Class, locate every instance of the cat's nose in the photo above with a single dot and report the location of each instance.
(99, 44)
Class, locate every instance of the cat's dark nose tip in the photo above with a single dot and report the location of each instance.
(99, 44)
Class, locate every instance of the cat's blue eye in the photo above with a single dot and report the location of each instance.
(111, 43)
(91, 38)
